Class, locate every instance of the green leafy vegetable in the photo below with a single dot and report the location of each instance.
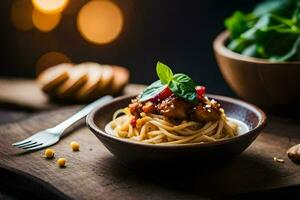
(237, 24)
(278, 7)
(184, 87)
(251, 34)
(271, 31)
(238, 45)
(294, 51)
(152, 90)
(180, 84)
(164, 73)
(251, 50)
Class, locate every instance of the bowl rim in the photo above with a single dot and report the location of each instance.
(219, 47)
(90, 121)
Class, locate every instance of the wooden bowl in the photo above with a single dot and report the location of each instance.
(136, 153)
(264, 83)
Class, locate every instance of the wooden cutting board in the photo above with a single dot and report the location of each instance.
(20, 92)
(93, 173)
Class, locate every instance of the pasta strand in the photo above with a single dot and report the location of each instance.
(156, 129)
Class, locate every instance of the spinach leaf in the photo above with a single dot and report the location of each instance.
(261, 23)
(251, 50)
(280, 7)
(238, 44)
(277, 44)
(271, 31)
(151, 91)
(236, 24)
(296, 16)
(164, 73)
(293, 52)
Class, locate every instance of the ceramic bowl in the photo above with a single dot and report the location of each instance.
(132, 152)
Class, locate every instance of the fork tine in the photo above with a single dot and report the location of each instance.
(36, 147)
(31, 138)
(22, 142)
(27, 144)
(31, 146)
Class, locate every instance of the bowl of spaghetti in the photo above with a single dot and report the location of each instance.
(172, 120)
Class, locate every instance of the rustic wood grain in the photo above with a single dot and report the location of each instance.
(93, 173)
(27, 94)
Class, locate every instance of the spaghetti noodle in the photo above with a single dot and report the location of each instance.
(154, 129)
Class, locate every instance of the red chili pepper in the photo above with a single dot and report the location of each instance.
(200, 91)
(162, 95)
(133, 122)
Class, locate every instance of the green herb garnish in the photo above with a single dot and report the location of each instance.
(271, 31)
(152, 90)
(164, 73)
(180, 84)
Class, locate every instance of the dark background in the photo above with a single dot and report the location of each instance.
(176, 32)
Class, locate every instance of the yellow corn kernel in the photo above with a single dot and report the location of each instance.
(75, 146)
(49, 153)
(61, 162)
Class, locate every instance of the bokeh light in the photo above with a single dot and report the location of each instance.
(45, 22)
(21, 11)
(50, 59)
(74, 7)
(100, 21)
(50, 6)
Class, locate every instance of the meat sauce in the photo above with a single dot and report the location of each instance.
(174, 107)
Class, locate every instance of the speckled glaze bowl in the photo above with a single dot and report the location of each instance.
(147, 154)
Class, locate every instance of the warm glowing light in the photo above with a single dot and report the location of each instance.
(74, 7)
(100, 21)
(50, 59)
(45, 22)
(50, 6)
(21, 15)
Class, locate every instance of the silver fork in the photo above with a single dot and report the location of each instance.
(52, 135)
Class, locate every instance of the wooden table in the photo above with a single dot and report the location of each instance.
(281, 132)
(16, 105)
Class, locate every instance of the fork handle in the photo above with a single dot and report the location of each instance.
(81, 114)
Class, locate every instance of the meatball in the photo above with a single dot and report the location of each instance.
(135, 109)
(205, 113)
(149, 107)
(175, 108)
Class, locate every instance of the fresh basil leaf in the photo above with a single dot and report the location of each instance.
(180, 84)
(152, 90)
(183, 86)
(164, 73)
